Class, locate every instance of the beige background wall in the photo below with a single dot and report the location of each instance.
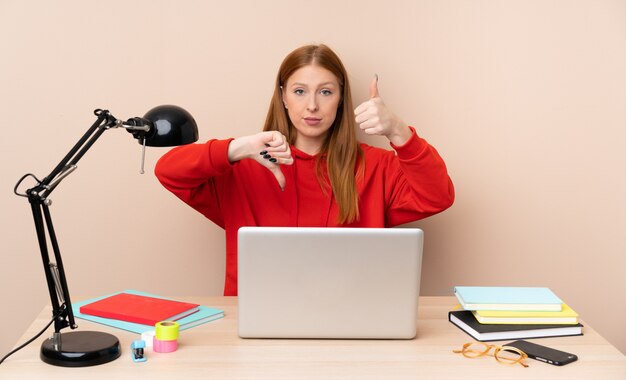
(525, 100)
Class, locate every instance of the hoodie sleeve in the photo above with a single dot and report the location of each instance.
(418, 182)
(190, 173)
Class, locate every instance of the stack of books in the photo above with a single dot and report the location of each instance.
(138, 312)
(501, 313)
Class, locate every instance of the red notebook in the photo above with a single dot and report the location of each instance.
(139, 309)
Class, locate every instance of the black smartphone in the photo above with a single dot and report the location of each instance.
(543, 353)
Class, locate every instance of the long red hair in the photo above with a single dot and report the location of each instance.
(341, 148)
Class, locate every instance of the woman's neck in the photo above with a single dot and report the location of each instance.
(309, 146)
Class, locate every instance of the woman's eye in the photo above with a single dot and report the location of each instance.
(326, 92)
(299, 91)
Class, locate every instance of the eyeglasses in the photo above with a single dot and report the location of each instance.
(504, 354)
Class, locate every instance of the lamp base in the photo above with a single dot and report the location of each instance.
(81, 349)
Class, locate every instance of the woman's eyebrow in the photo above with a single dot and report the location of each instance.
(319, 85)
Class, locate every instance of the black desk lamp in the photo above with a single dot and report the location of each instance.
(161, 126)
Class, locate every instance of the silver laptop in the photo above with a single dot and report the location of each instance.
(344, 283)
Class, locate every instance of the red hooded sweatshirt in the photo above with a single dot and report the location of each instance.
(397, 187)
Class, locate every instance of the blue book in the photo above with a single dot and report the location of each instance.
(204, 315)
(507, 298)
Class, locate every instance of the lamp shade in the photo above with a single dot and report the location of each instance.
(172, 126)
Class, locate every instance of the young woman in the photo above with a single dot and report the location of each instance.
(307, 168)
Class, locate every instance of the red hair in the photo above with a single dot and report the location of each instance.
(341, 148)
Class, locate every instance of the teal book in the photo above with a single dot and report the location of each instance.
(507, 298)
(203, 315)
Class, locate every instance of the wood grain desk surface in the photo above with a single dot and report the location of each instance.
(214, 351)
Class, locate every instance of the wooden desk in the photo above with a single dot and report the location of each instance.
(214, 351)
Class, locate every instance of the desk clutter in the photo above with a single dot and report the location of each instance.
(163, 339)
(138, 312)
(502, 313)
(156, 318)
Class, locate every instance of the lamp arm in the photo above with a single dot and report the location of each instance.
(102, 116)
(38, 198)
(55, 273)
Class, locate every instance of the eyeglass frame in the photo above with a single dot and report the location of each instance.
(522, 355)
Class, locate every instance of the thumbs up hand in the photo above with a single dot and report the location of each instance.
(374, 118)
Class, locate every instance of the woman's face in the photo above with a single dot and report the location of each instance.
(311, 96)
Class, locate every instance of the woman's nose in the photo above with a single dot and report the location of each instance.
(312, 104)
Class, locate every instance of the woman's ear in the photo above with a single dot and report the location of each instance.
(282, 96)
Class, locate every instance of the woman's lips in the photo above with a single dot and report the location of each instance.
(312, 121)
